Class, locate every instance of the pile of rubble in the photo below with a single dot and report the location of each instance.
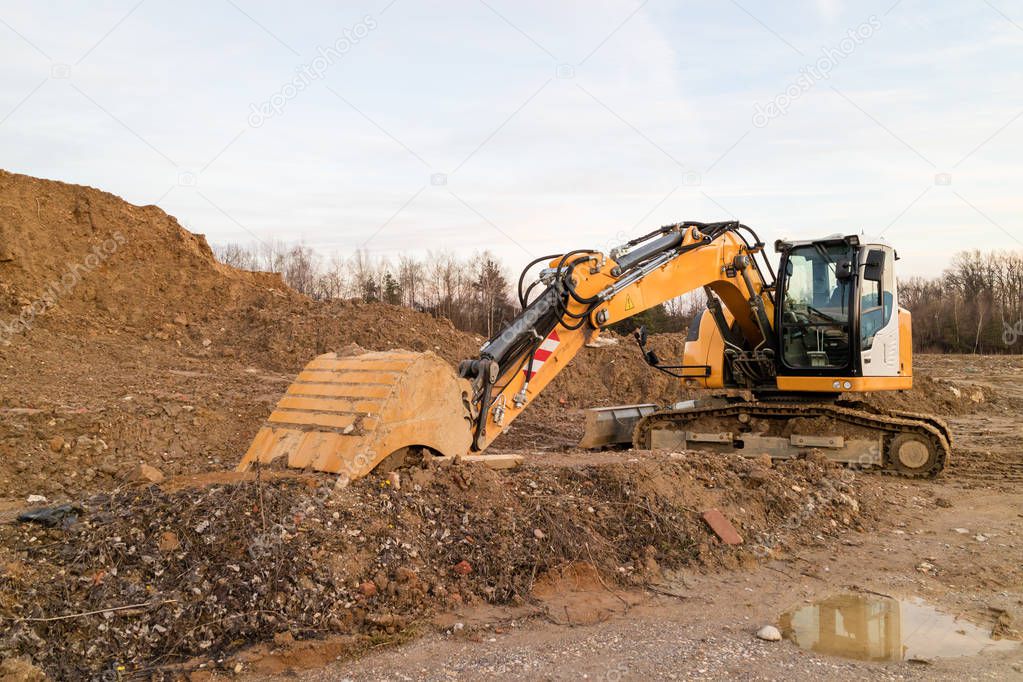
(154, 576)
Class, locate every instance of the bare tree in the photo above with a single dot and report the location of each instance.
(410, 278)
(975, 306)
(299, 267)
(272, 255)
(333, 281)
(364, 276)
(237, 256)
(492, 292)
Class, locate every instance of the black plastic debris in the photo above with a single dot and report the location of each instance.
(63, 516)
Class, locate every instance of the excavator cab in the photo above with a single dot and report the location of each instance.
(837, 312)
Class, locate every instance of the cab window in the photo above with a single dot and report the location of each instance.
(815, 307)
(877, 302)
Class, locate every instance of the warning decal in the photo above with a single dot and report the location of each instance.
(542, 353)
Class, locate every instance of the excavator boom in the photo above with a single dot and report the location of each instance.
(586, 291)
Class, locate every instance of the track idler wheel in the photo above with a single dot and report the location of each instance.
(912, 454)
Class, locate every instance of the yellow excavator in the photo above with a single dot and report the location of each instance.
(789, 351)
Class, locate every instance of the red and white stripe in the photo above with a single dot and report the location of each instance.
(542, 353)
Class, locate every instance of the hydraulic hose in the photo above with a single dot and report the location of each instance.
(525, 271)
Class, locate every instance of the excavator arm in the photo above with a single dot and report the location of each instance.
(349, 414)
(585, 291)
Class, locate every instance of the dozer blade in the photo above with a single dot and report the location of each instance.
(612, 425)
(345, 415)
(608, 426)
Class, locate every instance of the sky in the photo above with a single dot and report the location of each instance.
(529, 128)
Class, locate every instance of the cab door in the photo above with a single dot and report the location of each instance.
(878, 313)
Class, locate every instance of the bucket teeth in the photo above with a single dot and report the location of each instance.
(344, 415)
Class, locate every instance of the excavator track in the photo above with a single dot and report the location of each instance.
(900, 443)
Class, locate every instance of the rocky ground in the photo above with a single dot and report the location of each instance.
(196, 570)
(470, 573)
(704, 629)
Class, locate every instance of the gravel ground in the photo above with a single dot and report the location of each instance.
(629, 649)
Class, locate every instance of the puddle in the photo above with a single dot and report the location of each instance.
(875, 628)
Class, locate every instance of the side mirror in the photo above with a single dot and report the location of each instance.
(873, 269)
(844, 270)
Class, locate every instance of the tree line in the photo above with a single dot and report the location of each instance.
(476, 292)
(974, 306)
(473, 292)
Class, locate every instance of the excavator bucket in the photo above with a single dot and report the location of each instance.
(345, 415)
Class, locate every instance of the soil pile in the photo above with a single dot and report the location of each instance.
(617, 374)
(196, 572)
(79, 260)
(939, 397)
(123, 340)
(90, 258)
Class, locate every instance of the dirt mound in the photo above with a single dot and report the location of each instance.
(178, 358)
(196, 572)
(85, 255)
(78, 259)
(943, 397)
(617, 374)
(285, 338)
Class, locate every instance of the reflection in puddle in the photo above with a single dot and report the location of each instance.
(876, 628)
